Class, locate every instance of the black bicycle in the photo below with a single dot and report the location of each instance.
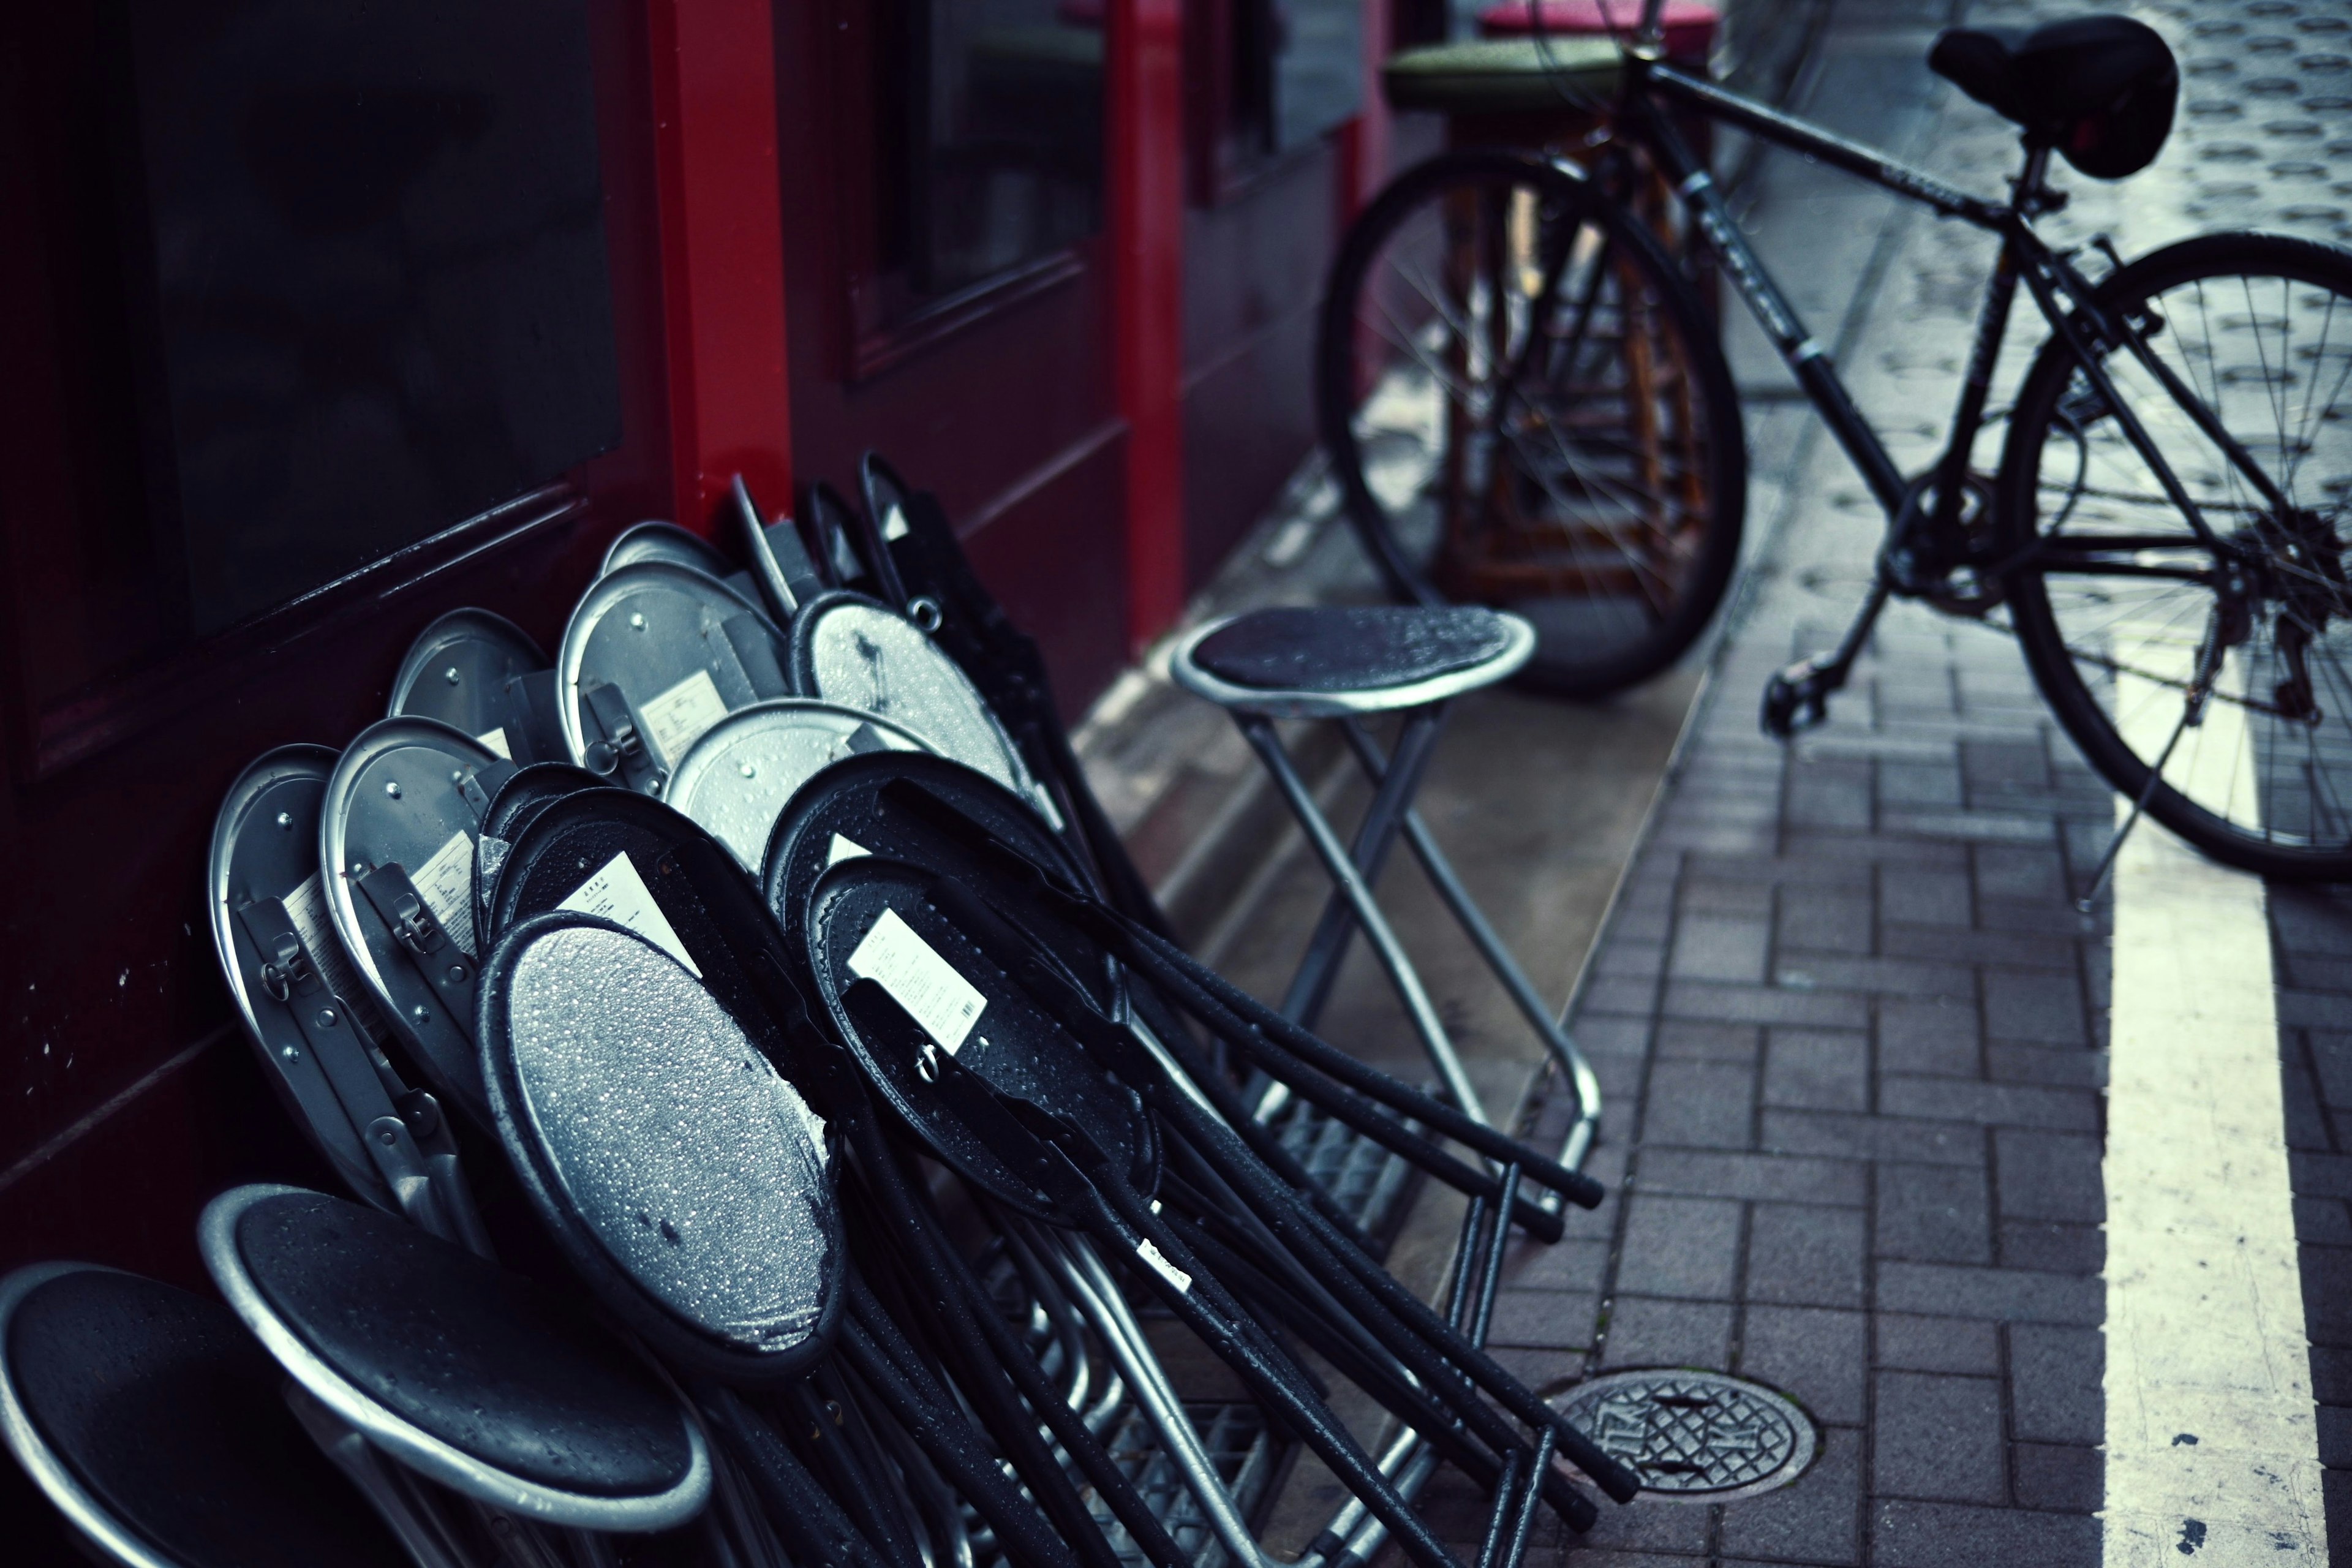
(1525, 403)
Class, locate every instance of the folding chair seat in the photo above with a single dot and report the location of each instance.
(481, 673)
(736, 781)
(647, 1063)
(1329, 662)
(654, 655)
(319, 1030)
(667, 542)
(398, 848)
(154, 1424)
(487, 1383)
(309, 1013)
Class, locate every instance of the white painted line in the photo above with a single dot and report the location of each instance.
(2212, 1452)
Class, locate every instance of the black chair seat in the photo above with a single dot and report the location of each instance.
(1345, 659)
(476, 1357)
(165, 1413)
(2099, 89)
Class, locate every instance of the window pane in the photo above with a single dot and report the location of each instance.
(1000, 162)
(379, 288)
(1320, 70)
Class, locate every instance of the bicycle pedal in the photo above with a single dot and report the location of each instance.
(1795, 699)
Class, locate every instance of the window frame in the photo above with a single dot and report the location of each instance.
(878, 333)
(68, 417)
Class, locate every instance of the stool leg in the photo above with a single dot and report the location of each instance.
(1342, 870)
(1318, 969)
(1489, 942)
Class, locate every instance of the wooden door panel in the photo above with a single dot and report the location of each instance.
(125, 1100)
(992, 388)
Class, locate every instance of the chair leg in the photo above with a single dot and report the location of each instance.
(1499, 958)
(1393, 794)
(1342, 870)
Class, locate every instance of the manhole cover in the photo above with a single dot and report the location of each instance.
(1696, 1436)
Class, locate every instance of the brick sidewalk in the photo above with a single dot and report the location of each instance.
(1850, 1021)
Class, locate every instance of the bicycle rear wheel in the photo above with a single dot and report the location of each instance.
(1525, 406)
(2123, 615)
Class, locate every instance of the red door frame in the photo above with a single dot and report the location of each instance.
(1145, 172)
(714, 106)
(714, 81)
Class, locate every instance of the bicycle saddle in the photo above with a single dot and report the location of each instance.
(152, 1421)
(2098, 90)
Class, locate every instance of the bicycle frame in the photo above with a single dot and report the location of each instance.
(2064, 297)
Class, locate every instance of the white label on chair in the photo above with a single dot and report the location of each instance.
(896, 957)
(306, 908)
(495, 738)
(1157, 1262)
(844, 849)
(676, 718)
(618, 894)
(445, 883)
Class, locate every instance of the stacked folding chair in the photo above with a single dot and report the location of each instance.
(778, 1127)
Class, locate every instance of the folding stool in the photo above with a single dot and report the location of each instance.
(1346, 664)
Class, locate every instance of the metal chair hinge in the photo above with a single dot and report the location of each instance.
(290, 971)
(414, 926)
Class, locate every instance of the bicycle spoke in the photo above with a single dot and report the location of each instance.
(2277, 774)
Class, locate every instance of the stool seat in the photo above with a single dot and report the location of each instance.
(476, 1376)
(1326, 661)
(152, 1421)
(1502, 76)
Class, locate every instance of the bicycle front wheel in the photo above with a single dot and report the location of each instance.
(2216, 681)
(1525, 406)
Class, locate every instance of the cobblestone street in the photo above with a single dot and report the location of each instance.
(1857, 1026)
(1850, 1028)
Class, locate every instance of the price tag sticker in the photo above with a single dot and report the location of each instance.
(445, 883)
(896, 957)
(676, 718)
(1157, 1262)
(617, 893)
(306, 906)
